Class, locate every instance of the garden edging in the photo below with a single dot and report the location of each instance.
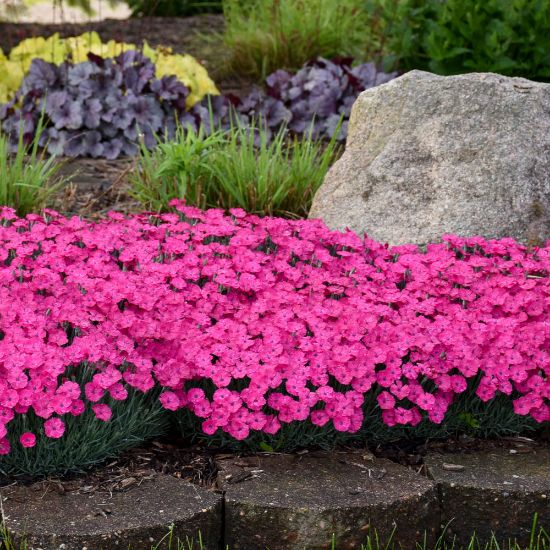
(291, 500)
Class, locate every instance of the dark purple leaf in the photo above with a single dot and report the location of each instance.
(92, 113)
(92, 145)
(42, 76)
(55, 141)
(112, 148)
(68, 115)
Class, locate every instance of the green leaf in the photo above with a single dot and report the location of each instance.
(469, 420)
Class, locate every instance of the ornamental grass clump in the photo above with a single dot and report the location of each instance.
(243, 167)
(27, 178)
(265, 35)
(252, 323)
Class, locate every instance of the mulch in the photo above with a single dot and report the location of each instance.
(196, 463)
(95, 187)
(174, 32)
(191, 463)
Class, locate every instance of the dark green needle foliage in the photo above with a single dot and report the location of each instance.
(87, 441)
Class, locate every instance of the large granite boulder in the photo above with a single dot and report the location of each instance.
(428, 155)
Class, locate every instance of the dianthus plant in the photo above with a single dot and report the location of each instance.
(250, 323)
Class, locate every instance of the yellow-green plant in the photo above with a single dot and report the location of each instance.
(56, 50)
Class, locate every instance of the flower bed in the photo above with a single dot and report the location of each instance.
(253, 323)
(99, 107)
(57, 50)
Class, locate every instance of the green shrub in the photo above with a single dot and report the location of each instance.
(174, 8)
(265, 35)
(87, 441)
(27, 178)
(456, 36)
(239, 168)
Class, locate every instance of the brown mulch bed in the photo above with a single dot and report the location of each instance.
(175, 32)
(196, 463)
(190, 463)
(95, 187)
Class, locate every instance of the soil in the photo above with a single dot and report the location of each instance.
(95, 187)
(167, 456)
(172, 455)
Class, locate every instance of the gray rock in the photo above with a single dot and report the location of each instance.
(428, 155)
(301, 501)
(142, 515)
(495, 491)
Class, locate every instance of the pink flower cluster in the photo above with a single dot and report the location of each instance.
(286, 320)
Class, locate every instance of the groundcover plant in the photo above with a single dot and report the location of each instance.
(253, 323)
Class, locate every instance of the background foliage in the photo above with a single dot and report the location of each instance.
(509, 37)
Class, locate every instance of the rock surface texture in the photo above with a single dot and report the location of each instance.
(495, 491)
(135, 518)
(301, 501)
(428, 155)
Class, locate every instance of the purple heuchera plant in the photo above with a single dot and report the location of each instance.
(312, 101)
(322, 93)
(97, 108)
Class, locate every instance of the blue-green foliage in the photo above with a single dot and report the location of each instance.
(467, 415)
(87, 441)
